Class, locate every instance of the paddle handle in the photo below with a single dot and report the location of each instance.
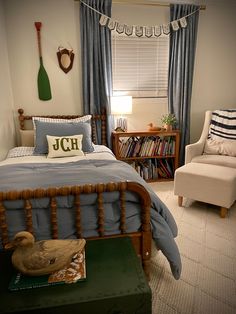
(38, 26)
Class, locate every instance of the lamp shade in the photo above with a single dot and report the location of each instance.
(121, 105)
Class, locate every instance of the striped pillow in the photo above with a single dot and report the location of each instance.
(222, 133)
(223, 125)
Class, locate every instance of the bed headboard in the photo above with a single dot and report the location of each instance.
(102, 131)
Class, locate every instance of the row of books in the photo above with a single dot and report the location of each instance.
(154, 169)
(147, 146)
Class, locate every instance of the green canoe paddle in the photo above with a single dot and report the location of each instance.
(44, 89)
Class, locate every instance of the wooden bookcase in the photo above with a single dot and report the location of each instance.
(154, 154)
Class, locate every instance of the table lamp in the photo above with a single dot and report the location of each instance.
(121, 105)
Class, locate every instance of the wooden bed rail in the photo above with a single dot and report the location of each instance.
(95, 117)
(141, 239)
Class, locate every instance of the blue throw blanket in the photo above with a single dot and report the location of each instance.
(35, 175)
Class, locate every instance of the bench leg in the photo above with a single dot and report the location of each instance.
(180, 201)
(223, 212)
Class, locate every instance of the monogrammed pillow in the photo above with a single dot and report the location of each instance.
(64, 146)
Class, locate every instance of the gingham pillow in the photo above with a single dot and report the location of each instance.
(86, 118)
(20, 151)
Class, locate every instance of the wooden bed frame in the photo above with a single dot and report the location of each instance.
(102, 118)
(140, 239)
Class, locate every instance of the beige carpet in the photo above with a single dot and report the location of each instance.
(207, 245)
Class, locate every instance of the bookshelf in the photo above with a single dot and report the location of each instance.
(153, 154)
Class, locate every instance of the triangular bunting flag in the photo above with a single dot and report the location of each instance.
(129, 30)
(157, 31)
(139, 31)
(103, 20)
(148, 31)
(111, 24)
(120, 28)
(166, 29)
(175, 25)
(183, 22)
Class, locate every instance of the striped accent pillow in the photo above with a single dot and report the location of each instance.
(223, 125)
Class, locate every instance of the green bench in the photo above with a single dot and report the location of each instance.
(115, 284)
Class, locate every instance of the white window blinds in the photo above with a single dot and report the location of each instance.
(140, 65)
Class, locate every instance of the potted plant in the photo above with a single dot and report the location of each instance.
(168, 120)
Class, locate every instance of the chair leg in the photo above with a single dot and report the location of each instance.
(180, 201)
(223, 212)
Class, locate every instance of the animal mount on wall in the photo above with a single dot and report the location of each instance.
(65, 59)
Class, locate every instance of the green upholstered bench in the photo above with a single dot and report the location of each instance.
(115, 284)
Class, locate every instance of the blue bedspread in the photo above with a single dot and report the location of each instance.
(35, 175)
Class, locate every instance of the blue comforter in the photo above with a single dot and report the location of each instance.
(35, 175)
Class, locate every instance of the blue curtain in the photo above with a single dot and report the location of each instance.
(181, 66)
(96, 61)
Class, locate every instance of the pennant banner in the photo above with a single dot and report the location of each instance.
(175, 25)
(140, 30)
(148, 31)
(111, 24)
(129, 30)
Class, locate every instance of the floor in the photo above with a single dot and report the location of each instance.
(207, 245)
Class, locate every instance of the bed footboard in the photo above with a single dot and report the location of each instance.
(141, 238)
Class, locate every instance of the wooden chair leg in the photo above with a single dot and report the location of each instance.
(223, 212)
(180, 201)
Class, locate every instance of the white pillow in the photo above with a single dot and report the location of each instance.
(64, 146)
(220, 147)
(27, 137)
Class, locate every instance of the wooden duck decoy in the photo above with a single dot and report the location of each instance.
(45, 256)
(153, 128)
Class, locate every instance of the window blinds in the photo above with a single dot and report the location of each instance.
(140, 65)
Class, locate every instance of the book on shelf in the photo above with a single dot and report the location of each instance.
(74, 272)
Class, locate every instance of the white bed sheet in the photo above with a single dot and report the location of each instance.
(100, 152)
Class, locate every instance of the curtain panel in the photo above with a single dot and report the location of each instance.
(96, 60)
(181, 66)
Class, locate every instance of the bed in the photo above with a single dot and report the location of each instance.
(54, 193)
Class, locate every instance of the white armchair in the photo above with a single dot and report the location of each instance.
(209, 178)
(196, 149)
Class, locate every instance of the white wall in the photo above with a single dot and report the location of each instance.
(59, 28)
(7, 130)
(215, 67)
(215, 62)
(214, 79)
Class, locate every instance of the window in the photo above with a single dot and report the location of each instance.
(140, 65)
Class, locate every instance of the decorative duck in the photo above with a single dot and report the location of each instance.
(45, 256)
(153, 128)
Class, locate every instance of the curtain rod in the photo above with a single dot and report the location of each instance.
(146, 3)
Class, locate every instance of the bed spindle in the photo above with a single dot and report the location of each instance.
(3, 225)
(122, 209)
(53, 207)
(28, 216)
(78, 216)
(100, 190)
